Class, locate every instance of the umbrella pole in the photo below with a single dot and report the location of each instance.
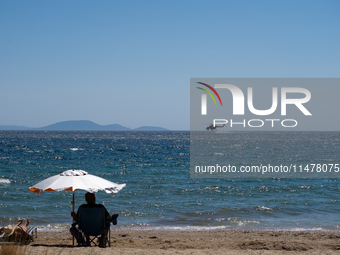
(73, 202)
(72, 217)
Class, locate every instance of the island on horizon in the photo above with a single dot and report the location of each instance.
(83, 125)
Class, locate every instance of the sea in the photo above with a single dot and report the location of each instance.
(159, 193)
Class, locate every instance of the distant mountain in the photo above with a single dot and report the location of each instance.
(84, 125)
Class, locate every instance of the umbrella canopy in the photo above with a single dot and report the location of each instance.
(72, 180)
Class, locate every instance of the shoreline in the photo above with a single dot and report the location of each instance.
(65, 228)
(194, 242)
(43, 229)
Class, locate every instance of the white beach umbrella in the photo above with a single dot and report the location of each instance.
(72, 180)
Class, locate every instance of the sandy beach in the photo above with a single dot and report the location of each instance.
(194, 242)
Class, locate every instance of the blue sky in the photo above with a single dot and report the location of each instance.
(130, 62)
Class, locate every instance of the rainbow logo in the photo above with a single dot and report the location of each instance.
(209, 93)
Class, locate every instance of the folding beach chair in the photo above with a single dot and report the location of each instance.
(32, 231)
(92, 223)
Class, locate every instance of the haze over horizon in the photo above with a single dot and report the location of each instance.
(131, 62)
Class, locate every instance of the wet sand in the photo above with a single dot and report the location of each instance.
(194, 242)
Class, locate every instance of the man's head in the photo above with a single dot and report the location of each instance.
(90, 198)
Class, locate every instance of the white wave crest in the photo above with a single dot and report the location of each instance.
(263, 208)
(5, 181)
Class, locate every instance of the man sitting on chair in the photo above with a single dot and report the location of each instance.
(90, 198)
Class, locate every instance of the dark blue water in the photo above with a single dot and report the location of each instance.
(160, 193)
